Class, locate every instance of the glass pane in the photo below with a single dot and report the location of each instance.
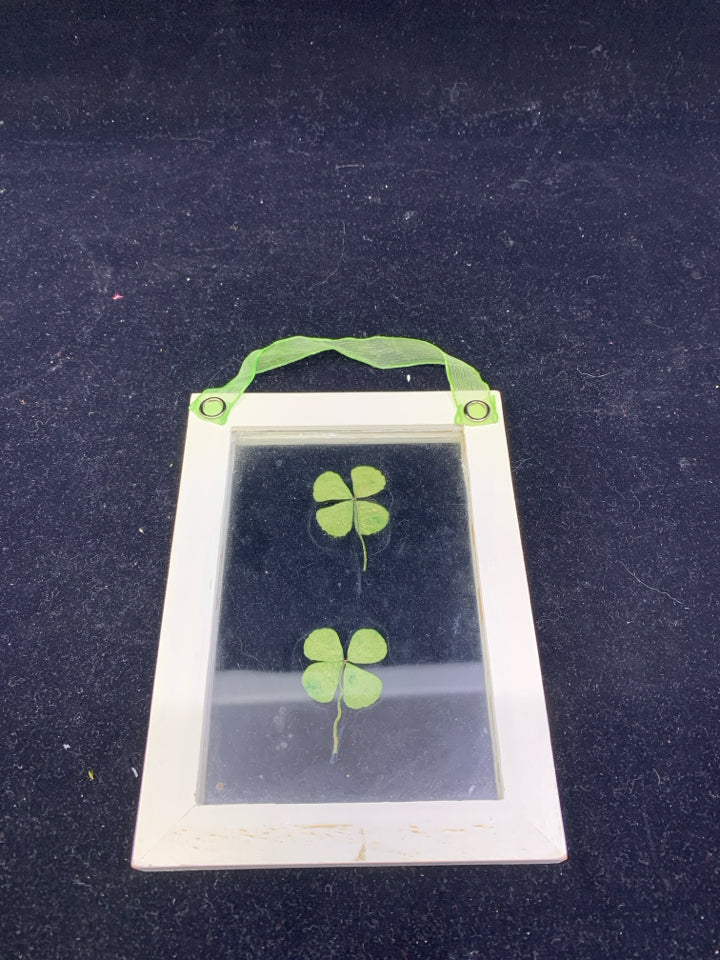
(427, 735)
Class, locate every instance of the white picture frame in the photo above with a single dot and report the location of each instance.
(175, 831)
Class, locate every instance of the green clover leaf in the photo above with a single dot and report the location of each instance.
(323, 644)
(367, 481)
(352, 510)
(360, 687)
(332, 672)
(367, 646)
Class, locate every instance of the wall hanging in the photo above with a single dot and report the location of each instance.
(347, 670)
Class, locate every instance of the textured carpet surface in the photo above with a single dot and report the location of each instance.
(534, 187)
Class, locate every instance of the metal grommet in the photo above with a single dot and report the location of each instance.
(485, 410)
(212, 401)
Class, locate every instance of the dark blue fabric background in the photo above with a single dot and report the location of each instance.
(534, 187)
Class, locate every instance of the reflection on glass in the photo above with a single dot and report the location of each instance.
(319, 548)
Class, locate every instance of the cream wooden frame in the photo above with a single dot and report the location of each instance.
(175, 831)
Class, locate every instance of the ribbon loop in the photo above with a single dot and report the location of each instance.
(474, 402)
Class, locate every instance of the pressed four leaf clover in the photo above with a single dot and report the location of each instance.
(334, 672)
(352, 508)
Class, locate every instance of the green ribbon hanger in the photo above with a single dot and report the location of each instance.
(473, 399)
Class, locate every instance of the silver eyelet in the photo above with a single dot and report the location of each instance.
(485, 409)
(213, 400)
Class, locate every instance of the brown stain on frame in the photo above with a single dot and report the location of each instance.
(325, 826)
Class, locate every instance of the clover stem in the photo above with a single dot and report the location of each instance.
(335, 728)
(357, 530)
